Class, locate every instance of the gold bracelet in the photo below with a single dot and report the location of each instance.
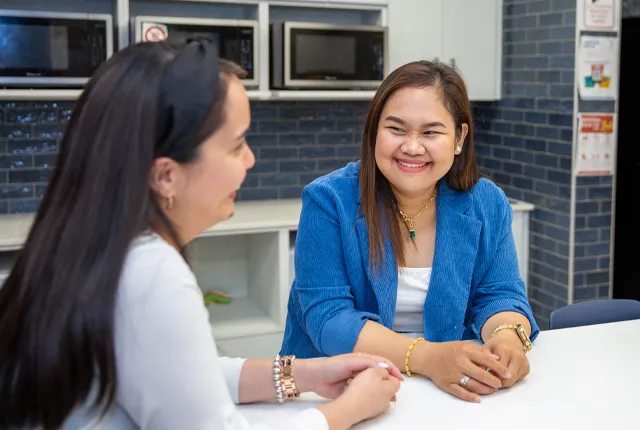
(406, 358)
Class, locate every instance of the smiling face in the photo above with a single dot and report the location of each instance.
(416, 140)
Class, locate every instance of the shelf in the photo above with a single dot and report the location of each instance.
(250, 217)
(519, 206)
(14, 230)
(322, 95)
(240, 318)
(259, 216)
(40, 94)
(258, 95)
(55, 95)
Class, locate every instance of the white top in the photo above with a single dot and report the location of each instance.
(413, 284)
(169, 374)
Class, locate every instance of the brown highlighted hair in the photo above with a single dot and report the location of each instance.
(377, 200)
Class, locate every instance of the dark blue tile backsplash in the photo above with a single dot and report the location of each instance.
(294, 142)
(525, 140)
(525, 144)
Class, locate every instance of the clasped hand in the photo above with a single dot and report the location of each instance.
(366, 384)
(499, 363)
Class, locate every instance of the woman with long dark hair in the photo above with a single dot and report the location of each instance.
(102, 323)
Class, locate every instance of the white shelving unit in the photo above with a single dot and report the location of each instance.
(265, 12)
(249, 256)
(454, 34)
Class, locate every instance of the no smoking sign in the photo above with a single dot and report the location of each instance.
(152, 32)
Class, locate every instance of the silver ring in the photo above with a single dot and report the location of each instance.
(464, 380)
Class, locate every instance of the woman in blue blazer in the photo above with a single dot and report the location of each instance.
(409, 251)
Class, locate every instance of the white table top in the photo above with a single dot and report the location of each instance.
(581, 378)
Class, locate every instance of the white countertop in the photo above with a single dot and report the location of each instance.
(581, 378)
(250, 216)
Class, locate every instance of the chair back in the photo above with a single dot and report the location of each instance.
(594, 312)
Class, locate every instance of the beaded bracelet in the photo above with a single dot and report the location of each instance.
(283, 377)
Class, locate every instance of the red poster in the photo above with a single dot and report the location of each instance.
(596, 144)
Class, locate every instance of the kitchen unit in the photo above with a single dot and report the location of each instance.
(249, 257)
(237, 40)
(466, 33)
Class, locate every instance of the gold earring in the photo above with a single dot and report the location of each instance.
(168, 203)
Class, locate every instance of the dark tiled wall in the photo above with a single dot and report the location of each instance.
(294, 142)
(524, 140)
(29, 135)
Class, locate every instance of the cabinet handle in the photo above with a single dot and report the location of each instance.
(453, 62)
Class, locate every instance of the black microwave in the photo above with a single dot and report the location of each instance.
(58, 49)
(308, 55)
(237, 40)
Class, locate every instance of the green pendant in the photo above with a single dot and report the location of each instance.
(412, 234)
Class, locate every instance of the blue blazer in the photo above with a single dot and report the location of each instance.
(475, 270)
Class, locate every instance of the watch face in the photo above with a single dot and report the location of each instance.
(523, 337)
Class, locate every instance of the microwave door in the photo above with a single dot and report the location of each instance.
(236, 39)
(323, 59)
(326, 56)
(51, 51)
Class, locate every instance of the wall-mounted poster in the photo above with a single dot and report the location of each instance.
(596, 144)
(599, 15)
(598, 59)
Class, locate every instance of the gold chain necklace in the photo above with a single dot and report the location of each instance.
(409, 221)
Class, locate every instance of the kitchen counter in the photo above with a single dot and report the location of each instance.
(250, 216)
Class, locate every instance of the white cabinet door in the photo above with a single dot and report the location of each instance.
(415, 31)
(473, 42)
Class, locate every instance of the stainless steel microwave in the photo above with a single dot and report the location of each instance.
(323, 56)
(237, 40)
(59, 49)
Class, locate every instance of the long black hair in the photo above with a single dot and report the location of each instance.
(57, 305)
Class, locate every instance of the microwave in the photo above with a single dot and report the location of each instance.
(237, 40)
(326, 56)
(58, 49)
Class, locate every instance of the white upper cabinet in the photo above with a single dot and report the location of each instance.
(467, 33)
(473, 43)
(415, 31)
